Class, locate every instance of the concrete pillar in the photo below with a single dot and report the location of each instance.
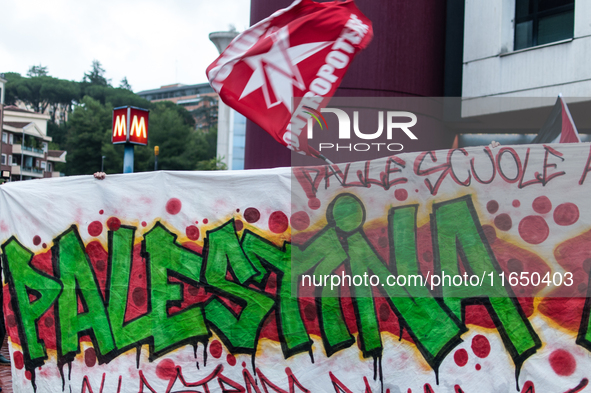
(221, 39)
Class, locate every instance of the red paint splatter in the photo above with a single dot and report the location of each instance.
(562, 362)
(300, 221)
(492, 207)
(139, 296)
(461, 357)
(566, 214)
(239, 225)
(503, 222)
(173, 206)
(101, 211)
(480, 346)
(310, 312)
(515, 265)
(114, 224)
(534, 229)
(231, 359)
(205, 220)
(28, 375)
(542, 205)
(243, 364)
(401, 194)
(314, 203)
(278, 222)
(10, 321)
(166, 369)
(192, 232)
(44, 245)
(18, 360)
(215, 349)
(144, 223)
(489, 232)
(237, 210)
(36, 240)
(90, 357)
(516, 203)
(252, 215)
(478, 367)
(95, 228)
(101, 265)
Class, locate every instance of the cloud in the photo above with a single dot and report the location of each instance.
(152, 43)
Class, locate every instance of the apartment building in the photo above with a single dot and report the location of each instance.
(25, 145)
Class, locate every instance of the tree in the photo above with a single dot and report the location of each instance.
(125, 84)
(37, 71)
(96, 76)
(86, 133)
(41, 92)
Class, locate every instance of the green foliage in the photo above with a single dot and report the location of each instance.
(86, 128)
(37, 71)
(41, 92)
(124, 84)
(213, 164)
(87, 133)
(96, 76)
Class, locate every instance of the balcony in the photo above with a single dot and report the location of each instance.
(28, 151)
(27, 171)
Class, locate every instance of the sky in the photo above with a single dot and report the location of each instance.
(151, 42)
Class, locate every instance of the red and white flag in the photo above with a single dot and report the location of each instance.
(559, 127)
(300, 51)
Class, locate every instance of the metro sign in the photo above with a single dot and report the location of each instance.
(130, 125)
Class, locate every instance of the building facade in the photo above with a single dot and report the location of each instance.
(231, 134)
(25, 146)
(526, 48)
(191, 97)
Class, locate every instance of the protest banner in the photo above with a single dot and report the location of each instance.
(468, 272)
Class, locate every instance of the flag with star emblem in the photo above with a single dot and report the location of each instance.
(300, 51)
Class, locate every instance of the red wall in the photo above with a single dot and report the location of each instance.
(405, 59)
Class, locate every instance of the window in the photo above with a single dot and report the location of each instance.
(49, 167)
(43, 165)
(10, 159)
(10, 139)
(539, 22)
(4, 137)
(3, 159)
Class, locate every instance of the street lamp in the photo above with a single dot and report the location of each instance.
(103, 163)
(156, 152)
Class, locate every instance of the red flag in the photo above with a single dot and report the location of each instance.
(300, 51)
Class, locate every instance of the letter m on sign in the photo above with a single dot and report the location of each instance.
(120, 118)
(130, 125)
(138, 133)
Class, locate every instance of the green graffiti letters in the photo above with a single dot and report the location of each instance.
(234, 275)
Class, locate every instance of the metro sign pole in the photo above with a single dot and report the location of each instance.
(130, 127)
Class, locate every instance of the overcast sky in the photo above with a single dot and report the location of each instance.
(151, 42)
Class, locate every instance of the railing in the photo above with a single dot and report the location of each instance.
(33, 149)
(32, 169)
